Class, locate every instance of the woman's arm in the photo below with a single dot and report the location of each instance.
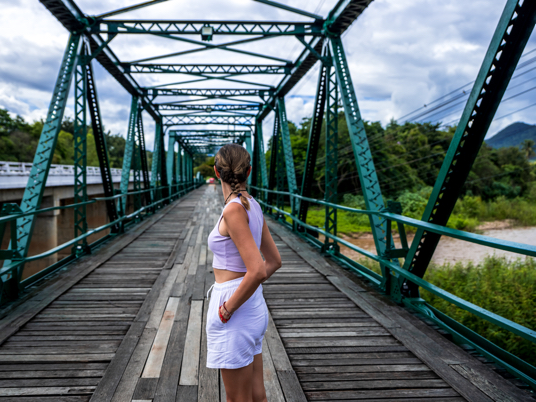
(272, 258)
(236, 222)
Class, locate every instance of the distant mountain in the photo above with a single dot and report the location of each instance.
(512, 136)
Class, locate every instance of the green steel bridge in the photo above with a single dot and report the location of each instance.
(121, 318)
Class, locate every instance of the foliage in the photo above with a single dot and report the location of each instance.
(506, 288)
(206, 167)
(502, 287)
(19, 139)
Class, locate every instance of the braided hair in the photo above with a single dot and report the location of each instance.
(232, 163)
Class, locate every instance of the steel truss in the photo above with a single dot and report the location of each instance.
(267, 28)
(172, 171)
(185, 120)
(205, 69)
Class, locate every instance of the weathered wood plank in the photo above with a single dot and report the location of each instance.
(190, 360)
(158, 350)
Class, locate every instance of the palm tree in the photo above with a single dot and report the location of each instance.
(528, 148)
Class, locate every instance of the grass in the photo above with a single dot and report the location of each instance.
(506, 288)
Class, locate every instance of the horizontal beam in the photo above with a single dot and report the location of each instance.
(186, 27)
(208, 92)
(209, 107)
(71, 17)
(206, 68)
(214, 132)
(179, 120)
(339, 20)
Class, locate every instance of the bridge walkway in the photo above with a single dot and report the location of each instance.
(127, 324)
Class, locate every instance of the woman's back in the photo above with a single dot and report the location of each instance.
(226, 254)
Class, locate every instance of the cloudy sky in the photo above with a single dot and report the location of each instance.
(402, 55)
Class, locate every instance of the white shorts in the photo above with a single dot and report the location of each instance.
(232, 345)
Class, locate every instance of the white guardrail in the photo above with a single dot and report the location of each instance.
(15, 175)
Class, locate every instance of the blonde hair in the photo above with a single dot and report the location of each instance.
(232, 163)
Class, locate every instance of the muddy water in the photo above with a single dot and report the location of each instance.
(452, 250)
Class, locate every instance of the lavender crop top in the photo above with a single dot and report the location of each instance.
(226, 255)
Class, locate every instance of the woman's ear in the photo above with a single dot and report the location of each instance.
(216, 172)
(249, 172)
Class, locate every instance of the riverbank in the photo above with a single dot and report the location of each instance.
(452, 250)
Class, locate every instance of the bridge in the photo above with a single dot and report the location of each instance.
(122, 318)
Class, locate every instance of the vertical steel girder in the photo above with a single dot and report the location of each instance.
(286, 148)
(33, 193)
(170, 159)
(360, 146)
(273, 159)
(143, 160)
(80, 151)
(178, 162)
(511, 35)
(313, 143)
(331, 167)
(156, 177)
(129, 151)
(280, 171)
(262, 158)
(247, 140)
(101, 147)
(136, 165)
(163, 164)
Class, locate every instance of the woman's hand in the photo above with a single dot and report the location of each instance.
(224, 314)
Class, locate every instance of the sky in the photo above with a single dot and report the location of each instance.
(402, 55)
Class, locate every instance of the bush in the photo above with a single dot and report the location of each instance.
(507, 288)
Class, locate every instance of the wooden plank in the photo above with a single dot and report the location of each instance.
(169, 375)
(187, 393)
(291, 386)
(158, 350)
(208, 390)
(106, 388)
(277, 350)
(145, 389)
(398, 394)
(274, 393)
(190, 361)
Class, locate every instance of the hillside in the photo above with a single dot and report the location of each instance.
(512, 136)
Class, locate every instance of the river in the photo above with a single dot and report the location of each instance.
(451, 250)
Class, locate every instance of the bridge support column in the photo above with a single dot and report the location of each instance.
(45, 235)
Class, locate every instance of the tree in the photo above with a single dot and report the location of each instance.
(528, 148)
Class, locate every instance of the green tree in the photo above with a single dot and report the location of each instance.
(528, 148)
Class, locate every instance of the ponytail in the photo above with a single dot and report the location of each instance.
(232, 163)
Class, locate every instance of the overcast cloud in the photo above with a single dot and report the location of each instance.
(402, 55)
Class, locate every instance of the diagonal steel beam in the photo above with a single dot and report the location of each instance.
(511, 35)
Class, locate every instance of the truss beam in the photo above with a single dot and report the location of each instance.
(514, 29)
(209, 107)
(233, 69)
(208, 92)
(181, 120)
(170, 27)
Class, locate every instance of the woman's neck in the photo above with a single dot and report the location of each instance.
(226, 189)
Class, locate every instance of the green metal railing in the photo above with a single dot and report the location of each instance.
(14, 268)
(461, 334)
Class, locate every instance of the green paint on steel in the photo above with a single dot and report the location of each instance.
(331, 165)
(370, 185)
(129, 152)
(35, 188)
(287, 150)
(512, 33)
(313, 144)
(80, 151)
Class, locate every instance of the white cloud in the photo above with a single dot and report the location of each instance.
(401, 55)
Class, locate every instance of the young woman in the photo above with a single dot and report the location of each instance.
(237, 314)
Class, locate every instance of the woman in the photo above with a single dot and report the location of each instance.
(237, 314)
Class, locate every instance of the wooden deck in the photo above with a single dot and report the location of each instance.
(127, 324)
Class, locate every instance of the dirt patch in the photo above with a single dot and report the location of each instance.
(496, 225)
